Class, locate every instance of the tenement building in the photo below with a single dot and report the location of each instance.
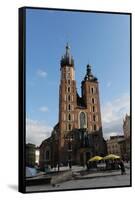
(126, 126)
(116, 145)
(30, 155)
(78, 134)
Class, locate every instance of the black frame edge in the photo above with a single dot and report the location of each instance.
(76, 10)
(21, 104)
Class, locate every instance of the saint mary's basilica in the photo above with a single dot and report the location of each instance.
(78, 134)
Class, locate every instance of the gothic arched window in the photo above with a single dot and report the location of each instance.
(94, 118)
(69, 107)
(92, 90)
(95, 127)
(83, 120)
(68, 89)
(69, 127)
(47, 154)
(93, 100)
(69, 117)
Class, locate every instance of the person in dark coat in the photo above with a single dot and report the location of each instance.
(122, 167)
(87, 165)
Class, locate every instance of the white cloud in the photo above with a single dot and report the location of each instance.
(41, 73)
(113, 114)
(36, 131)
(43, 109)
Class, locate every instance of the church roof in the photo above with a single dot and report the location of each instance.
(80, 101)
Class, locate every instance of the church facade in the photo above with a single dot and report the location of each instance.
(78, 134)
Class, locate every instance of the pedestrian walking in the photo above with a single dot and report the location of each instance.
(122, 167)
(70, 164)
(87, 165)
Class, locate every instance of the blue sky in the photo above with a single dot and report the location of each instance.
(102, 40)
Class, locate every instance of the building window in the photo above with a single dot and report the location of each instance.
(93, 108)
(69, 127)
(69, 117)
(92, 90)
(83, 120)
(68, 97)
(68, 89)
(94, 118)
(93, 100)
(69, 107)
(69, 82)
(95, 127)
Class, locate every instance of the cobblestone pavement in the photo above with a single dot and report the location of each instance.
(113, 179)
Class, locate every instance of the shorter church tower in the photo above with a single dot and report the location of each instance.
(90, 96)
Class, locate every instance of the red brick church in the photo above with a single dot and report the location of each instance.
(78, 134)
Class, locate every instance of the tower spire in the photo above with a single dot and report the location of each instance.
(68, 55)
(67, 59)
(88, 70)
(89, 76)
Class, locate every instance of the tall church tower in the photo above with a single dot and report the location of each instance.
(67, 96)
